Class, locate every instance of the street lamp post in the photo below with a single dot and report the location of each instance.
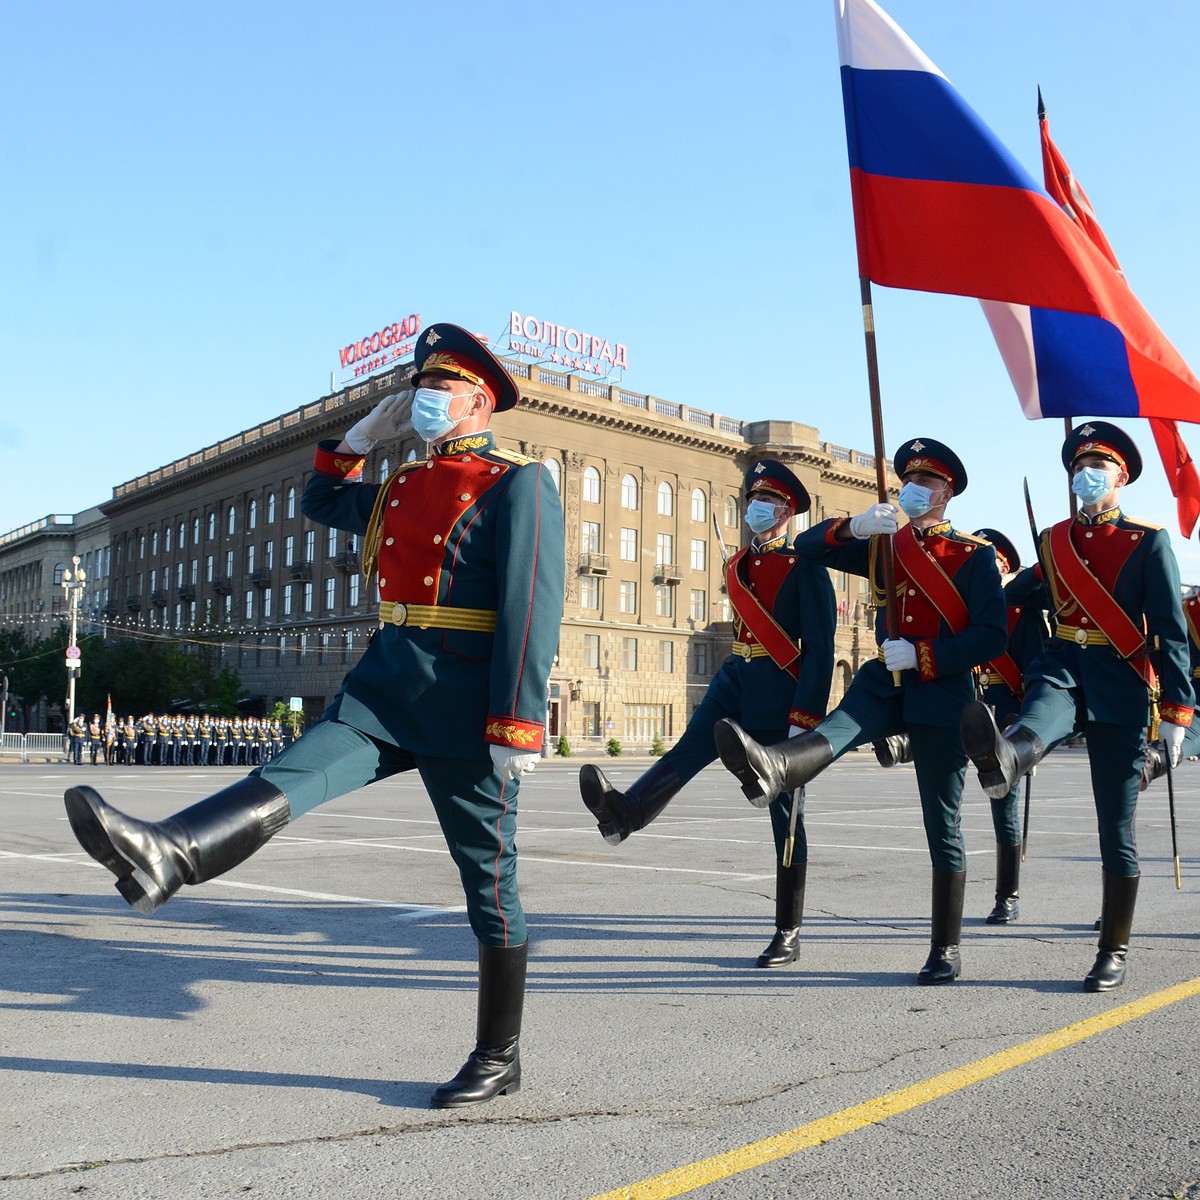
(73, 585)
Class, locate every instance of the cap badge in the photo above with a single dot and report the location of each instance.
(917, 447)
(432, 336)
(758, 470)
(1088, 430)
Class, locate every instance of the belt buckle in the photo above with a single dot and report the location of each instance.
(400, 614)
(984, 679)
(1081, 636)
(747, 651)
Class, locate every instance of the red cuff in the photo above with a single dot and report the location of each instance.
(926, 664)
(803, 719)
(831, 534)
(1177, 714)
(512, 731)
(348, 466)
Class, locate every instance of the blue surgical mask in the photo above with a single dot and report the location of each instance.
(1091, 484)
(431, 413)
(760, 515)
(915, 500)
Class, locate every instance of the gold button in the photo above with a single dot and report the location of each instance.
(495, 470)
(383, 583)
(389, 541)
(428, 580)
(912, 591)
(465, 496)
(394, 503)
(1083, 620)
(437, 539)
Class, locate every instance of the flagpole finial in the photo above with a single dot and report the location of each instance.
(1041, 105)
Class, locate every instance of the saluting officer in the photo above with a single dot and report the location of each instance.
(951, 613)
(149, 738)
(776, 679)
(1114, 585)
(469, 549)
(222, 733)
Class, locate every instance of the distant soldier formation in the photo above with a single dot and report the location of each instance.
(176, 740)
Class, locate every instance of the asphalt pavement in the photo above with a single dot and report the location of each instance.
(277, 1032)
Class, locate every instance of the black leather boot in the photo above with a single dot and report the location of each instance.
(893, 750)
(1000, 758)
(1116, 921)
(784, 947)
(944, 965)
(1154, 766)
(766, 772)
(494, 1066)
(1008, 878)
(618, 814)
(152, 861)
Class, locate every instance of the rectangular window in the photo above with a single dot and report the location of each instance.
(699, 554)
(331, 543)
(180, 567)
(664, 548)
(589, 591)
(645, 722)
(700, 659)
(308, 597)
(698, 605)
(266, 604)
(250, 605)
(268, 555)
(310, 546)
(629, 545)
(195, 576)
(352, 590)
(666, 657)
(289, 550)
(229, 563)
(250, 552)
(589, 537)
(629, 654)
(330, 594)
(628, 602)
(664, 601)
(591, 650)
(287, 599)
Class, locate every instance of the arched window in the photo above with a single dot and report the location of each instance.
(195, 531)
(252, 515)
(384, 468)
(271, 508)
(59, 568)
(291, 502)
(231, 519)
(591, 485)
(411, 456)
(555, 473)
(699, 505)
(167, 540)
(731, 512)
(629, 492)
(666, 499)
(212, 525)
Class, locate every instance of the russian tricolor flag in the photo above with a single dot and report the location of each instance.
(941, 206)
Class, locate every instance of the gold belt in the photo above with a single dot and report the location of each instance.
(749, 650)
(436, 616)
(1081, 636)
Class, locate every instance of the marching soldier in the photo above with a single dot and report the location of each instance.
(469, 549)
(777, 679)
(77, 731)
(1000, 682)
(166, 740)
(237, 742)
(951, 613)
(276, 737)
(1114, 585)
(179, 741)
(191, 728)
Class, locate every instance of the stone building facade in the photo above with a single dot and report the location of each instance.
(213, 549)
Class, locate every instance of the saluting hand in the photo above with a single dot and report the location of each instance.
(389, 420)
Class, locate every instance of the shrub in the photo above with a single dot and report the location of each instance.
(658, 749)
(563, 749)
(613, 748)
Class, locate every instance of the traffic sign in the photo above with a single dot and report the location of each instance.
(72, 652)
(296, 704)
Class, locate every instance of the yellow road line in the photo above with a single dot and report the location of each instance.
(745, 1158)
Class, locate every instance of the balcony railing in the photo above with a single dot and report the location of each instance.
(301, 570)
(667, 573)
(593, 564)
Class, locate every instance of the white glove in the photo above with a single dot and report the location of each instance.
(1172, 736)
(899, 655)
(387, 421)
(879, 518)
(511, 762)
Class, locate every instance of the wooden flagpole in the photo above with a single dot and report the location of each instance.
(887, 563)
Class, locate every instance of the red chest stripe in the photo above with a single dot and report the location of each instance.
(419, 514)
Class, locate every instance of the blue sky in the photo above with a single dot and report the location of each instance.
(204, 202)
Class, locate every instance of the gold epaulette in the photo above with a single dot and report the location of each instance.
(1140, 523)
(970, 537)
(519, 460)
